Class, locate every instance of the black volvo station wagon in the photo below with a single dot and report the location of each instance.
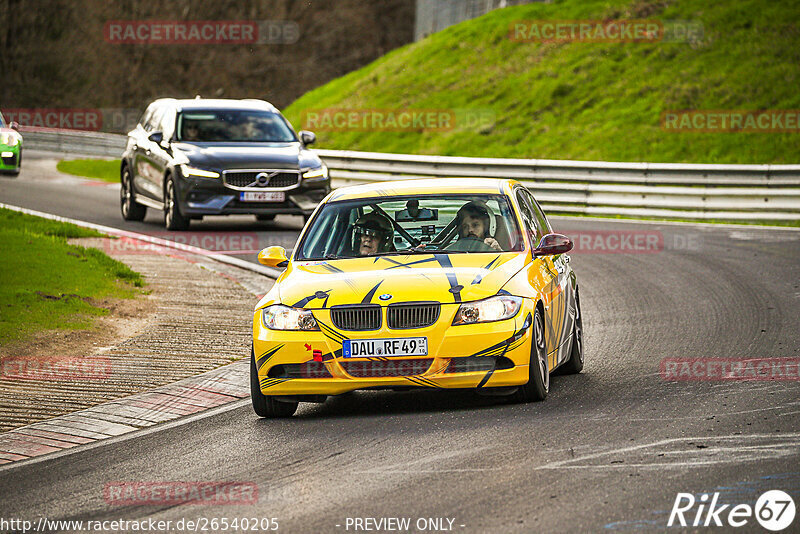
(199, 157)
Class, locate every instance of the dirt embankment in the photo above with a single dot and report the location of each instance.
(60, 54)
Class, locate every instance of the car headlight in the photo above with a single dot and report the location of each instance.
(8, 139)
(194, 171)
(487, 310)
(314, 175)
(280, 317)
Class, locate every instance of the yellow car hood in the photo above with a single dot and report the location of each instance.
(445, 278)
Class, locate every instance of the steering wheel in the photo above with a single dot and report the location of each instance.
(470, 244)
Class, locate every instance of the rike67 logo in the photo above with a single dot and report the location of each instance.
(774, 510)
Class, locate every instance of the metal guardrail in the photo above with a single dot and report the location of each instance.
(672, 190)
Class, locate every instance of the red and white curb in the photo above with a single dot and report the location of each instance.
(186, 397)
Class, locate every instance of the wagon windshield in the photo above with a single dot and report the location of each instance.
(412, 225)
(215, 125)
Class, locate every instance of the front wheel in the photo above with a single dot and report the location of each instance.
(263, 405)
(173, 219)
(131, 210)
(538, 373)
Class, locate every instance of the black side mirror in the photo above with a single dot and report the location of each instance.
(156, 137)
(308, 138)
(14, 125)
(552, 244)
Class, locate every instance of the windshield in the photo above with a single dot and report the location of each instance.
(233, 126)
(412, 225)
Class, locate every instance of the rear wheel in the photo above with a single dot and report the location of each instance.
(131, 210)
(263, 405)
(575, 363)
(173, 219)
(538, 374)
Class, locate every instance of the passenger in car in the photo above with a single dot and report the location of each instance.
(374, 234)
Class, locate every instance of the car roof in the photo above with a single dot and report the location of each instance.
(220, 103)
(426, 186)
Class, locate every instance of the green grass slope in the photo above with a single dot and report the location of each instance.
(100, 169)
(46, 283)
(579, 100)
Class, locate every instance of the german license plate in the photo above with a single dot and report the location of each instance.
(262, 196)
(385, 348)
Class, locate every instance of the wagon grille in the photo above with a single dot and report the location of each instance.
(356, 317)
(380, 368)
(412, 315)
(248, 179)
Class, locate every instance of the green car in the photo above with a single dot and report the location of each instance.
(10, 147)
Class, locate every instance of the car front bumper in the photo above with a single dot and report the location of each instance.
(210, 196)
(9, 157)
(469, 356)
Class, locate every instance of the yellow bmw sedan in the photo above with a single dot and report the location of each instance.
(441, 283)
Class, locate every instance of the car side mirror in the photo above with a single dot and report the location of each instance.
(552, 244)
(14, 125)
(156, 137)
(308, 138)
(273, 257)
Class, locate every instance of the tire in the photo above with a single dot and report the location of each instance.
(173, 219)
(538, 374)
(268, 217)
(574, 364)
(263, 405)
(131, 210)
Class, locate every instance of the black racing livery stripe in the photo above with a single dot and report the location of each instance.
(261, 360)
(269, 382)
(428, 381)
(331, 268)
(406, 265)
(516, 336)
(368, 297)
(330, 333)
(455, 289)
(417, 382)
(491, 371)
(317, 295)
(488, 267)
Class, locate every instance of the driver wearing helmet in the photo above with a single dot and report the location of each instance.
(373, 234)
(474, 225)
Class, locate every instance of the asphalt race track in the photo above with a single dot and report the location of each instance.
(609, 449)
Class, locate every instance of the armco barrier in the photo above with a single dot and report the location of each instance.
(673, 190)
